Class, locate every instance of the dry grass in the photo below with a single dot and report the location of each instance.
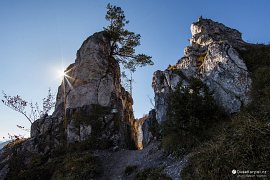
(245, 145)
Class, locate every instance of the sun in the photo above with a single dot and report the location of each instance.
(61, 73)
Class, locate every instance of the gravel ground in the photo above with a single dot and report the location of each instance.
(115, 163)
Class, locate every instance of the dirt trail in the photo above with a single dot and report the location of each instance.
(115, 163)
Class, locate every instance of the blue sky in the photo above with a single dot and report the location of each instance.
(35, 35)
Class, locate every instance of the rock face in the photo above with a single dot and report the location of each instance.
(91, 106)
(92, 94)
(205, 31)
(93, 78)
(91, 103)
(147, 128)
(213, 58)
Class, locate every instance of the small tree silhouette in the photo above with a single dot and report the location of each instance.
(20, 105)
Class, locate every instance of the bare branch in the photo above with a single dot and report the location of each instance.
(16, 103)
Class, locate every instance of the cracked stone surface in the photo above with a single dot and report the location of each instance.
(213, 58)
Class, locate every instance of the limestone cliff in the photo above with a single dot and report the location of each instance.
(213, 58)
(90, 100)
(91, 108)
(92, 88)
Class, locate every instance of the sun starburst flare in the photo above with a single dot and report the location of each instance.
(61, 73)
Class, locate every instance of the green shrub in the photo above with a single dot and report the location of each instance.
(151, 174)
(191, 111)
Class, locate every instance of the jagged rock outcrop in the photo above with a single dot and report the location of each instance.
(205, 31)
(91, 106)
(93, 98)
(94, 78)
(213, 58)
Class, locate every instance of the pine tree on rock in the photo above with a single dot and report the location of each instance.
(123, 42)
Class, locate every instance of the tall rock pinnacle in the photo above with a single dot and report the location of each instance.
(92, 88)
(213, 58)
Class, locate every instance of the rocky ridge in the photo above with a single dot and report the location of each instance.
(93, 108)
(211, 57)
